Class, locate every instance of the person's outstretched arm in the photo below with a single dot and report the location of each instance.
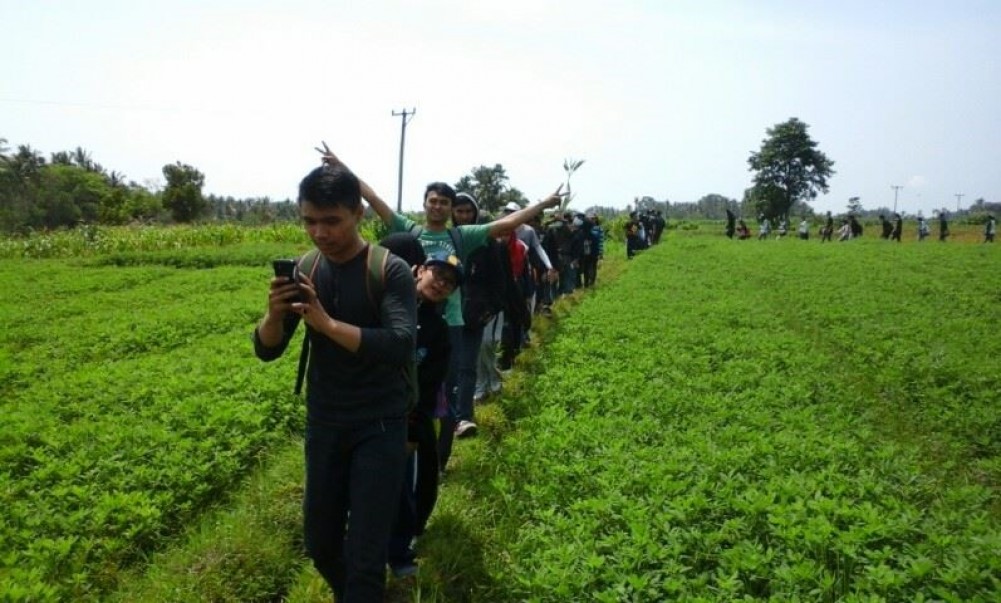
(379, 206)
(503, 226)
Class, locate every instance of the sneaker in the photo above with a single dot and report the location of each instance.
(465, 429)
(404, 570)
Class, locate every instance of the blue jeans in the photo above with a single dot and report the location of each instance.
(568, 278)
(460, 384)
(353, 479)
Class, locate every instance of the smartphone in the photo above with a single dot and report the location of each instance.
(290, 270)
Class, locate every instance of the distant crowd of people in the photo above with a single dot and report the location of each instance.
(849, 228)
(402, 339)
(644, 230)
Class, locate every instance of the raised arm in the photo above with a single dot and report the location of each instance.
(379, 206)
(505, 225)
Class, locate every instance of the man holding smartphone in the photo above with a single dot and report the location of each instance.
(357, 393)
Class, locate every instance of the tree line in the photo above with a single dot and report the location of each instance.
(68, 188)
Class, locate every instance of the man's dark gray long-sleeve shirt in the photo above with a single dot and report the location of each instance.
(349, 388)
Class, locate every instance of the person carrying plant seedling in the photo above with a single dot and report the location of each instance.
(359, 306)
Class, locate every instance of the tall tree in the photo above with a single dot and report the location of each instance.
(490, 188)
(183, 193)
(714, 206)
(26, 163)
(83, 159)
(789, 168)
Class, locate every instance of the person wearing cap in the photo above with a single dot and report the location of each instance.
(436, 276)
(435, 235)
(358, 386)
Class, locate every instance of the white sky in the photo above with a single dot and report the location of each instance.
(660, 98)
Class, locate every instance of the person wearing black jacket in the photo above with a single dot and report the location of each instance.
(358, 388)
(898, 228)
(887, 227)
(436, 277)
(571, 251)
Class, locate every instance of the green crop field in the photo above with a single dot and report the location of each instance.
(718, 421)
(763, 420)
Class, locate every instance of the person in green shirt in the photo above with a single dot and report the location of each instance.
(462, 240)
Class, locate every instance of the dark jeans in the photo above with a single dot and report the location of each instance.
(460, 384)
(568, 278)
(353, 479)
(589, 266)
(419, 493)
(399, 553)
(512, 338)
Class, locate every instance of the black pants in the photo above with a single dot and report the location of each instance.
(353, 479)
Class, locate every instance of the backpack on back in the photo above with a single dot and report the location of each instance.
(485, 288)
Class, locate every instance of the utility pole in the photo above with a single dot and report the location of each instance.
(403, 137)
(896, 189)
(959, 197)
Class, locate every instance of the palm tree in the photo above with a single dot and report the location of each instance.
(61, 158)
(27, 163)
(83, 159)
(4, 160)
(115, 179)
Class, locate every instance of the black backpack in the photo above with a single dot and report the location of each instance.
(485, 287)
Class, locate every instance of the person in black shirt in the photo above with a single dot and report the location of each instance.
(887, 227)
(437, 277)
(358, 389)
(898, 228)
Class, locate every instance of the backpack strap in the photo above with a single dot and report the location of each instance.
(453, 233)
(456, 236)
(307, 264)
(375, 284)
(375, 281)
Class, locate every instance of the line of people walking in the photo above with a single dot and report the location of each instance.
(402, 336)
(850, 228)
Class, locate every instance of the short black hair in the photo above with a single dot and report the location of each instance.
(442, 189)
(327, 186)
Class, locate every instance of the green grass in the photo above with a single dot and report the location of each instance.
(718, 420)
(775, 420)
